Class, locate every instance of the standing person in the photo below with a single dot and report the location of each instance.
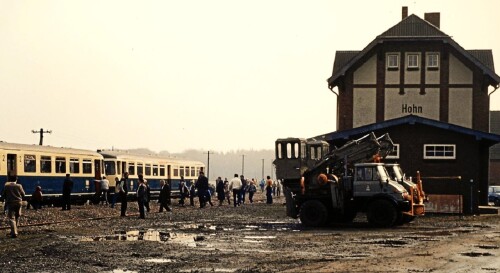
(202, 187)
(235, 186)
(278, 188)
(37, 198)
(141, 197)
(226, 191)
(13, 194)
(183, 191)
(243, 190)
(66, 192)
(269, 190)
(251, 190)
(274, 188)
(219, 188)
(148, 195)
(192, 193)
(164, 198)
(262, 184)
(104, 190)
(116, 192)
(123, 194)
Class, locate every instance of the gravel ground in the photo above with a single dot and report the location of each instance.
(252, 238)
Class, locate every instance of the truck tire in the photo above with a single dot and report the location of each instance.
(381, 213)
(313, 213)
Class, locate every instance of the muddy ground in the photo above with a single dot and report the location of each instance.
(252, 238)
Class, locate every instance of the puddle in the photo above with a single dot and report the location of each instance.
(260, 237)
(133, 235)
(159, 261)
(488, 247)
(389, 243)
(476, 254)
(209, 270)
(120, 271)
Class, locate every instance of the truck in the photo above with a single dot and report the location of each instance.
(323, 184)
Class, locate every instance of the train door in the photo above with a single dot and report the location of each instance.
(11, 165)
(97, 169)
(169, 175)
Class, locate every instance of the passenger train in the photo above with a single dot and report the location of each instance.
(154, 168)
(46, 166)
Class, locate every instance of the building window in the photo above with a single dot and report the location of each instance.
(29, 164)
(395, 152)
(392, 61)
(432, 60)
(412, 61)
(45, 164)
(439, 151)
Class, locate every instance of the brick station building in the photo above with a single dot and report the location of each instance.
(433, 97)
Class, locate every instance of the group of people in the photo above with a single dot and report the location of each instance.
(13, 193)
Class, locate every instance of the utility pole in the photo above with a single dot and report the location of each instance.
(208, 165)
(41, 134)
(243, 165)
(263, 168)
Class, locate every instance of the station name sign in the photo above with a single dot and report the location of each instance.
(411, 109)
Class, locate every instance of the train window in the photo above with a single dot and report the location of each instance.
(74, 165)
(29, 164)
(140, 168)
(45, 164)
(155, 170)
(187, 171)
(87, 166)
(131, 168)
(60, 164)
(110, 167)
(162, 170)
(181, 171)
(148, 169)
(119, 167)
(176, 172)
(193, 171)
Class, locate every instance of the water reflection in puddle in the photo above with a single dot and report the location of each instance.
(159, 261)
(132, 235)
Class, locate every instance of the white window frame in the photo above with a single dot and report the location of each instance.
(411, 62)
(395, 152)
(433, 148)
(431, 62)
(392, 60)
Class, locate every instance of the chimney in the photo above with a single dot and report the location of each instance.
(404, 13)
(433, 18)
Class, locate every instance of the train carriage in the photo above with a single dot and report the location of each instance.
(153, 168)
(47, 166)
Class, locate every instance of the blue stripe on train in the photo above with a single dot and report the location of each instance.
(52, 184)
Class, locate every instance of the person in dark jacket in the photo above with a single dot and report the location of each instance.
(141, 197)
(148, 195)
(183, 191)
(192, 193)
(37, 198)
(123, 192)
(219, 188)
(164, 198)
(66, 192)
(202, 187)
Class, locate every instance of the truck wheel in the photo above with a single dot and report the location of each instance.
(381, 213)
(313, 213)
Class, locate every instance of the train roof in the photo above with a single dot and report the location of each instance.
(47, 149)
(135, 156)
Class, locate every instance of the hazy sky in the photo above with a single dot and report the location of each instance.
(213, 75)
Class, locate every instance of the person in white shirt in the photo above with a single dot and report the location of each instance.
(235, 186)
(104, 189)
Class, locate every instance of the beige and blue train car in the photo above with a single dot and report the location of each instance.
(153, 168)
(45, 166)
